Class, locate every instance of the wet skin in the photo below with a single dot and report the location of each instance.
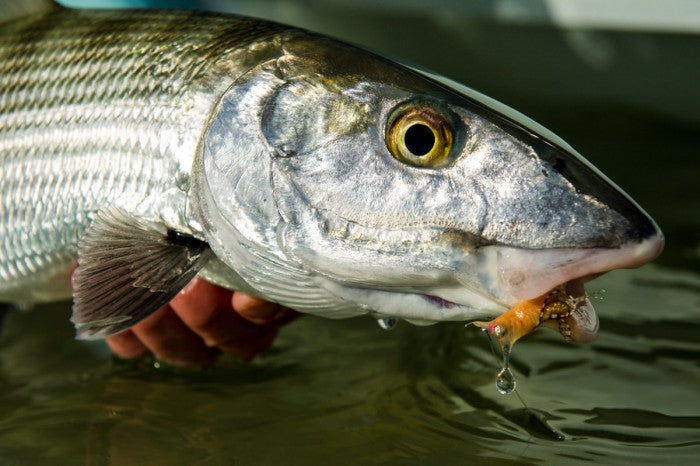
(202, 321)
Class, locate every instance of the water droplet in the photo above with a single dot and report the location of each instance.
(505, 382)
(387, 323)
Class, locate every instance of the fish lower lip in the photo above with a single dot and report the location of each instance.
(440, 302)
(578, 326)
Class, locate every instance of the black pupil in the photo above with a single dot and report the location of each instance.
(419, 139)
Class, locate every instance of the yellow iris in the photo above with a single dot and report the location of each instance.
(419, 136)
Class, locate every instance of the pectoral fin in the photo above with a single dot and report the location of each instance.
(127, 269)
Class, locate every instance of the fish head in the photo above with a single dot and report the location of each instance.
(404, 193)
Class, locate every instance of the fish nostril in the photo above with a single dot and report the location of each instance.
(628, 221)
(559, 165)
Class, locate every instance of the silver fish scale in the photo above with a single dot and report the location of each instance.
(99, 108)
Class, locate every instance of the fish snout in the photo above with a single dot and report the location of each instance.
(611, 231)
(617, 217)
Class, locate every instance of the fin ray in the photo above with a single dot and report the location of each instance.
(116, 287)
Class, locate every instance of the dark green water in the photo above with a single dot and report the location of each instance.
(346, 392)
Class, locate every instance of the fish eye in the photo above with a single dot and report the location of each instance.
(419, 135)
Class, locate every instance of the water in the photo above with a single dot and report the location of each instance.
(505, 381)
(387, 323)
(352, 392)
(348, 392)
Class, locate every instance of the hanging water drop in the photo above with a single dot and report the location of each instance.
(505, 382)
(387, 323)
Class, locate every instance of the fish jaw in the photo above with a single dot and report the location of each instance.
(532, 278)
(517, 285)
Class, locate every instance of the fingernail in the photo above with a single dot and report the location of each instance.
(190, 286)
(263, 313)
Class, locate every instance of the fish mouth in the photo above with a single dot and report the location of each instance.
(550, 281)
(566, 308)
(548, 287)
(563, 275)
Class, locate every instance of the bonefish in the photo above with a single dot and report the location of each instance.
(147, 147)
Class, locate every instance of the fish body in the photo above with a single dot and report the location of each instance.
(99, 107)
(149, 146)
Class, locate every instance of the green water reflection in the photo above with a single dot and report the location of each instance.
(357, 394)
(346, 392)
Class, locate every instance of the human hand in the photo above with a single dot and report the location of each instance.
(200, 322)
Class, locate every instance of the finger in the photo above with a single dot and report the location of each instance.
(199, 303)
(169, 339)
(255, 309)
(285, 316)
(126, 345)
(206, 309)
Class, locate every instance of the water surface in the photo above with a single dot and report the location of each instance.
(350, 391)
